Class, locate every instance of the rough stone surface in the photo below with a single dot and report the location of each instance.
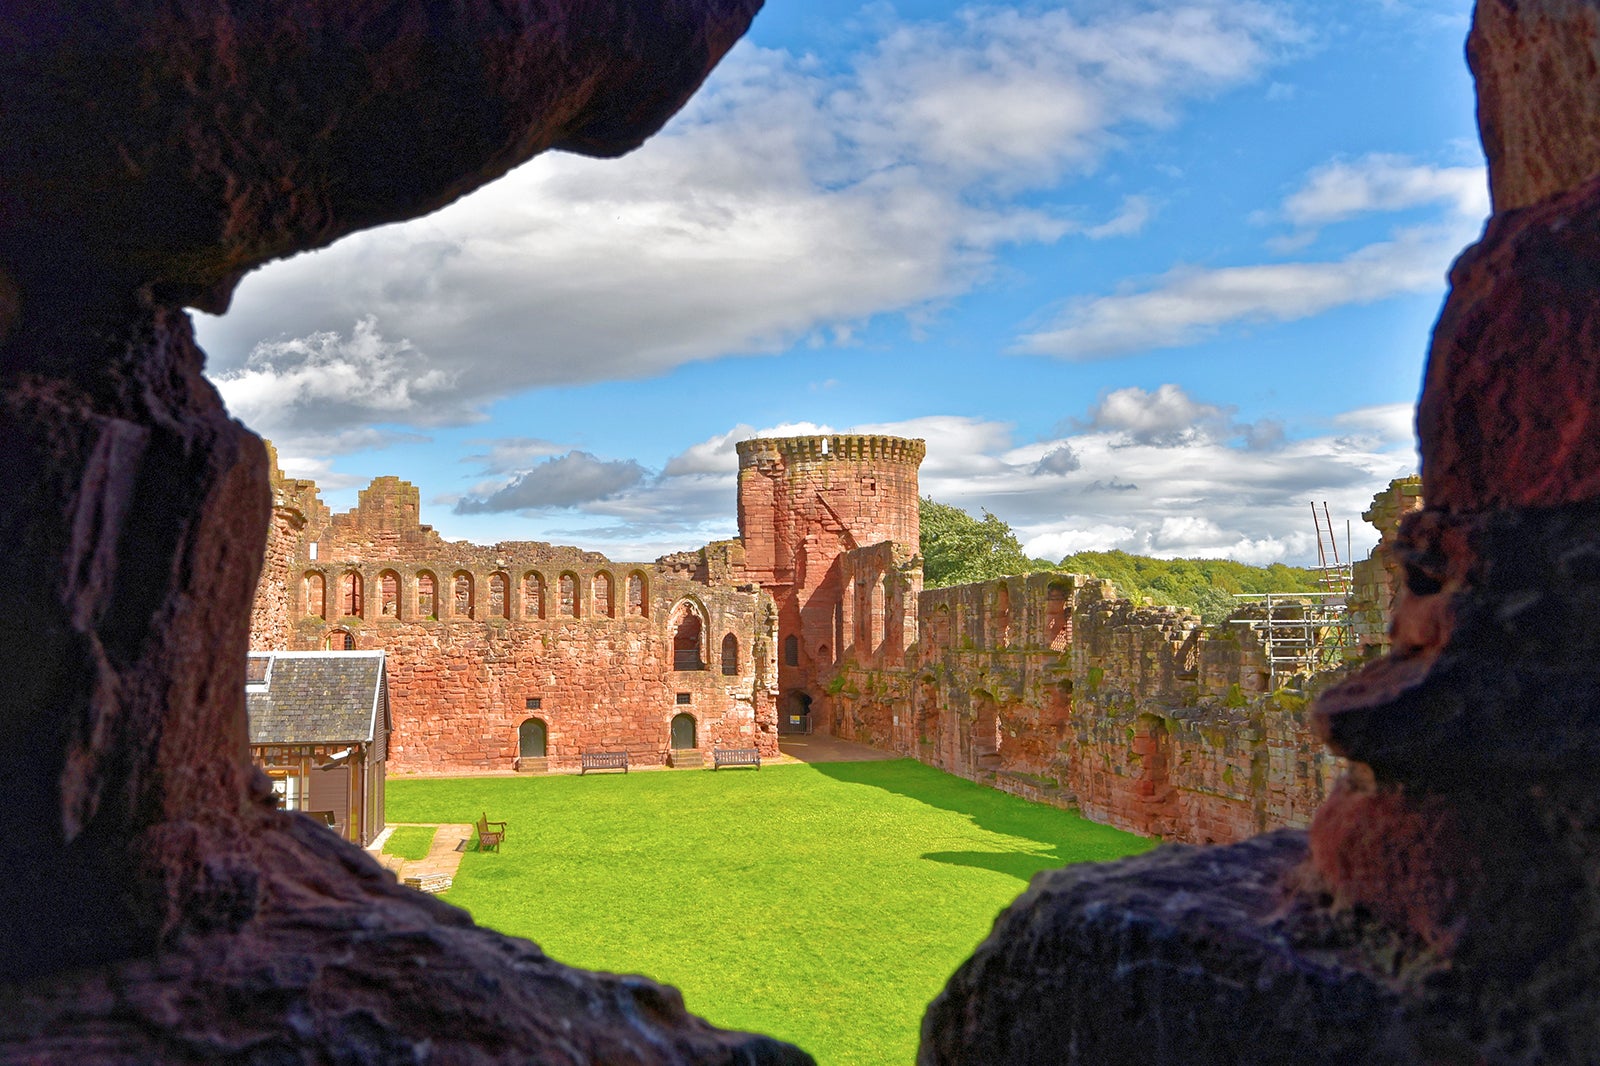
(1538, 97)
(1180, 956)
(155, 907)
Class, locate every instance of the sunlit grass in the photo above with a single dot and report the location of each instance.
(823, 904)
(410, 841)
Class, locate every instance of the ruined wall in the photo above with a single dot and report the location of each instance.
(1379, 579)
(483, 638)
(1053, 687)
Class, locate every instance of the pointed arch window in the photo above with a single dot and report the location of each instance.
(686, 641)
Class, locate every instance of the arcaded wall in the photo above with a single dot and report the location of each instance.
(483, 638)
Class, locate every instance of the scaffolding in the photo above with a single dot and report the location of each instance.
(1305, 633)
(1302, 633)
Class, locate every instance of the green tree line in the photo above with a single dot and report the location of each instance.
(958, 548)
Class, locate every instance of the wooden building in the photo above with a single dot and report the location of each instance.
(319, 727)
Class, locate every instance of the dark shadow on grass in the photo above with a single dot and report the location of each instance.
(1063, 837)
(1019, 864)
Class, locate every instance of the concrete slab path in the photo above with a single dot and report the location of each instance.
(437, 871)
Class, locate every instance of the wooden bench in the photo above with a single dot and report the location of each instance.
(490, 838)
(721, 757)
(603, 760)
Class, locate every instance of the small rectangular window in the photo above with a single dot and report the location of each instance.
(313, 551)
(683, 699)
(534, 702)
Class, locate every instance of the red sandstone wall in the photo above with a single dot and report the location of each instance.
(462, 668)
(1052, 687)
(804, 502)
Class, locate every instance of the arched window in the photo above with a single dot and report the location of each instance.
(1002, 617)
(427, 595)
(350, 594)
(464, 592)
(340, 640)
(389, 594)
(531, 739)
(636, 595)
(686, 641)
(730, 655)
(683, 732)
(532, 595)
(568, 590)
(602, 595)
(791, 650)
(316, 593)
(497, 596)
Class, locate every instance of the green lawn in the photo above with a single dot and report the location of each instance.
(410, 841)
(823, 904)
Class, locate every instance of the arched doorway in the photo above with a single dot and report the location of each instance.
(531, 737)
(683, 732)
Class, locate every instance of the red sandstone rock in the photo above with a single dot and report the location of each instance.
(1535, 62)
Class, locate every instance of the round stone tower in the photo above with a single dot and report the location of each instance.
(803, 503)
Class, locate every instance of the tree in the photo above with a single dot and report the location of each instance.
(957, 548)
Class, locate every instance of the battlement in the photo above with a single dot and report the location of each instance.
(841, 447)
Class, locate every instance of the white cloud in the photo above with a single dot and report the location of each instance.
(324, 377)
(787, 200)
(1342, 189)
(1189, 304)
(1165, 417)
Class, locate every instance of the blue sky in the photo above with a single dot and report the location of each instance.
(1150, 276)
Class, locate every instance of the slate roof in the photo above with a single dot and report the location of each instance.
(317, 697)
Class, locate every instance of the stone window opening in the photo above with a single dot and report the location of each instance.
(532, 595)
(463, 595)
(427, 596)
(791, 650)
(1002, 617)
(636, 595)
(316, 594)
(340, 640)
(1057, 618)
(730, 656)
(350, 604)
(686, 636)
(532, 739)
(569, 595)
(602, 595)
(823, 655)
(534, 703)
(498, 599)
(684, 699)
(389, 594)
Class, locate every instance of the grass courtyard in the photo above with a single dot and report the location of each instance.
(824, 903)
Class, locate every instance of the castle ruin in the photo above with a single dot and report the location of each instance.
(524, 655)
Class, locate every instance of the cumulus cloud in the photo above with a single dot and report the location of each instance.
(788, 199)
(302, 384)
(563, 481)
